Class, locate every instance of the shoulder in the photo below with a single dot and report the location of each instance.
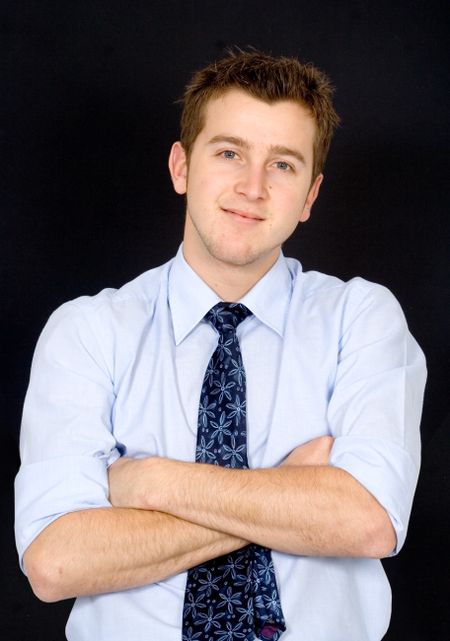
(110, 318)
(338, 304)
(142, 290)
(141, 293)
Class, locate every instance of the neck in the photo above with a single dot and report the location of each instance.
(230, 282)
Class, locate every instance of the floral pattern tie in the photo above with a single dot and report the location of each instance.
(233, 597)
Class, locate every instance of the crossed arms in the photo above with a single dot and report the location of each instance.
(168, 516)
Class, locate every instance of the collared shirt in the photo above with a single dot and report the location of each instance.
(121, 372)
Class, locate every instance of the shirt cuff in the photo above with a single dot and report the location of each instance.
(48, 489)
(386, 470)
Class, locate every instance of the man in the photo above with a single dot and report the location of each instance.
(131, 455)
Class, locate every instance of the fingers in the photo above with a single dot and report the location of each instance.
(314, 452)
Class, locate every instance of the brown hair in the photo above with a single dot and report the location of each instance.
(267, 78)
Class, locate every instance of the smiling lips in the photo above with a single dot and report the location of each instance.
(243, 216)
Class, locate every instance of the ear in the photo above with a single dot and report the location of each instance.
(178, 167)
(312, 195)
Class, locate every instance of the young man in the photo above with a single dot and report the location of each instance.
(279, 477)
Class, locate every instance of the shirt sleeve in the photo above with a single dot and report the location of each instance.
(66, 440)
(375, 408)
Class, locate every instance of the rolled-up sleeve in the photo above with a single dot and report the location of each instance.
(66, 440)
(375, 409)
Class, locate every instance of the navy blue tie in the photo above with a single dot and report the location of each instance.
(233, 597)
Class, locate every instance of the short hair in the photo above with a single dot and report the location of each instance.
(267, 78)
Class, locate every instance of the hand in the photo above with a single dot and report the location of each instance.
(146, 483)
(315, 452)
(126, 482)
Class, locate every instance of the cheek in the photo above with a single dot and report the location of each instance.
(204, 187)
(296, 202)
(290, 206)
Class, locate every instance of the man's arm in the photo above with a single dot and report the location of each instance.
(106, 550)
(111, 549)
(307, 509)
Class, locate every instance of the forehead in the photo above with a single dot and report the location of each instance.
(237, 113)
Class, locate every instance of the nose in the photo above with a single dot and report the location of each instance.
(252, 182)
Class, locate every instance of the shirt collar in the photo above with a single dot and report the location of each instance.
(269, 299)
(190, 298)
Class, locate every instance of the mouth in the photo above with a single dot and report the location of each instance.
(243, 216)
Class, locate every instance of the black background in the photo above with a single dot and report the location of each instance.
(88, 114)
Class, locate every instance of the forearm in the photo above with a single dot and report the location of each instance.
(313, 510)
(106, 550)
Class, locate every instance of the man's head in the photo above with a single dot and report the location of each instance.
(269, 79)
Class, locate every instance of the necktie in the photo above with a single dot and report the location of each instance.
(233, 597)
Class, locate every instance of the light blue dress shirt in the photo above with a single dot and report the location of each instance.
(120, 373)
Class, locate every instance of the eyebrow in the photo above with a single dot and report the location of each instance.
(274, 149)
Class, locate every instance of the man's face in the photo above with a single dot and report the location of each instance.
(248, 181)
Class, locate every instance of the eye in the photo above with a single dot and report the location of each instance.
(283, 165)
(228, 154)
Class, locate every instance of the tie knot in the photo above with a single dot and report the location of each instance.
(227, 316)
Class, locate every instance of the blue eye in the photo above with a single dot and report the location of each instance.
(281, 164)
(230, 155)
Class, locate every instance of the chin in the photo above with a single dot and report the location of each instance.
(238, 257)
